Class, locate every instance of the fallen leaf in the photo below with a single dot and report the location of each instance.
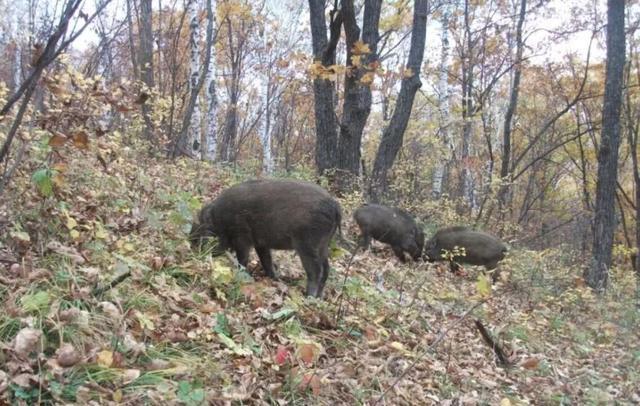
(105, 358)
(80, 139)
(282, 354)
(67, 356)
(110, 310)
(530, 363)
(307, 353)
(26, 341)
(311, 381)
(130, 375)
(57, 140)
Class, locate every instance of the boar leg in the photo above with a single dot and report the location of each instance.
(312, 265)
(365, 240)
(325, 269)
(265, 259)
(400, 254)
(242, 251)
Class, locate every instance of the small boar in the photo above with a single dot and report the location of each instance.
(480, 248)
(392, 226)
(273, 214)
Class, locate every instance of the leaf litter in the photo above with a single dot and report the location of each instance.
(188, 329)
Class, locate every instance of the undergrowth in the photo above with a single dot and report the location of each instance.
(187, 328)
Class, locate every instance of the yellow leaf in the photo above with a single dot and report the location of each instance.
(117, 396)
(360, 48)
(58, 180)
(71, 223)
(356, 60)
(101, 232)
(505, 402)
(74, 234)
(145, 322)
(367, 78)
(127, 246)
(483, 286)
(105, 358)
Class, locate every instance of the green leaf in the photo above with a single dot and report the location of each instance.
(483, 286)
(280, 314)
(222, 325)
(233, 346)
(35, 302)
(43, 181)
(190, 394)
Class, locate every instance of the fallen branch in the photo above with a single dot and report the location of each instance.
(118, 280)
(503, 360)
(433, 345)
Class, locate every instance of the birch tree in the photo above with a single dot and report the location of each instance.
(193, 138)
(210, 137)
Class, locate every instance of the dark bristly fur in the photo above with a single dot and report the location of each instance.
(274, 214)
(480, 248)
(392, 226)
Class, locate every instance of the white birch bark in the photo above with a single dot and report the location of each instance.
(17, 33)
(193, 140)
(443, 102)
(210, 138)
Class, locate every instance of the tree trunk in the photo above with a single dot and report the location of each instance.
(210, 137)
(439, 174)
(357, 90)
(146, 60)
(596, 275)
(179, 146)
(505, 169)
(393, 134)
(463, 191)
(132, 48)
(193, 139)
(324, 52)
(17, 33)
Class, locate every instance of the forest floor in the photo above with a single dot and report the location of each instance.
(188, 329)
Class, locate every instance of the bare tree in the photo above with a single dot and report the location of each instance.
(57, 43)
(146, 60)
(393, 134)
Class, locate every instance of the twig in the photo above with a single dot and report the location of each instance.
(344, 282)
(433, 345)
(118, 280)
(502, 358)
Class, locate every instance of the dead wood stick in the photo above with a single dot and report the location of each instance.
(431, 347)
(118, 280)
(503, 360)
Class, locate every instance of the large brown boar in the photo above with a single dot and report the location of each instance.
(480, 248)
(392, 226)
(273, 214)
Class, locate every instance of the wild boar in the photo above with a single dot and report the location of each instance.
(273, 214)
(480, 248)
(392, 226)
